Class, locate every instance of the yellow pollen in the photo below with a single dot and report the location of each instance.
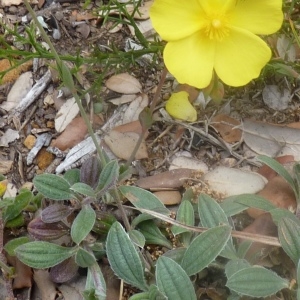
(216, 27)
(216, 23)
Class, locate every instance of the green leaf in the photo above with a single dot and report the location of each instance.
(96, 282)
(83, 189)
(172, 280)
(140, 296)
(235, 265)
(16, 222)
(231, 207)
(176, 254)
(72, 176)
(141, 218)
(153, 235)
(42, 255)
(296, 170)
(255, 201)
(53, 186)
(155, 294)
(66, 75)
(141, 198)
(84, 259)
(108, 177)
(137, 238)
(188, 195)
(289, 238)
(17, 206)
(210, 212)
(298, 280)
(243, 248)
(124, 258)
(185, 214)
(83, 223)
(256, 282)
(212, 215)
(280, 213)
(205, 248)
(277, 167)
(14, 243)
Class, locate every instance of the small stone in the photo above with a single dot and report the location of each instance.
(50, 124)
(29, 142)
(168, 197)
(189, 163)
(166, 180)
(44, 159)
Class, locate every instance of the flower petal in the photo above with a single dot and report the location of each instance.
(179, 107)
(174, 20)
(191, 60)
(240, 57)
(258, 16)
(216, 6)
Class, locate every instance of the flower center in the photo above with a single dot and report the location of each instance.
(216, 27)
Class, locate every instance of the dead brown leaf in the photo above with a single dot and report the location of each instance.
(166, 180)
(13, 74)
(73, 134)
(272, 140)
(124, 84)
(258, 252)
(225, 125)
(23, 273)
(45, 284)
(168, 197)
(122, 144)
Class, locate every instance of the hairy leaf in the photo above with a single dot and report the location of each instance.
(256, 282)
(124, 258)
(42, 255)
(53, 186)
(172, 280)
(83, 223)
(204, 249)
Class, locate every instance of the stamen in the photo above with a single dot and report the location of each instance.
(216, 27)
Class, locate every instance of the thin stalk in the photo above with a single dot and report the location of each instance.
(68, 81)
(152, 107)
(122, 210)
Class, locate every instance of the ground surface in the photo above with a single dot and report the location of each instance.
(93, 38)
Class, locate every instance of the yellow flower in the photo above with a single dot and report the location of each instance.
(179, 107)
(216, 35)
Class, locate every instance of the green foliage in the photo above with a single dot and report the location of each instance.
(83, 224)
(289, 237)
(42, 255)
(124, 258)
(168, 278)
(173, 281)
(204, 249)
(141, 198)
(153, 235)
(256, 282)
(53, 186)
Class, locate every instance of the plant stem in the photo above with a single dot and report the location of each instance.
(69, 82)
(122, 210)
(152, 107)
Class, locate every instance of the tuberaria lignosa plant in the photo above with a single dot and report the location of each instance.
(221, 36)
